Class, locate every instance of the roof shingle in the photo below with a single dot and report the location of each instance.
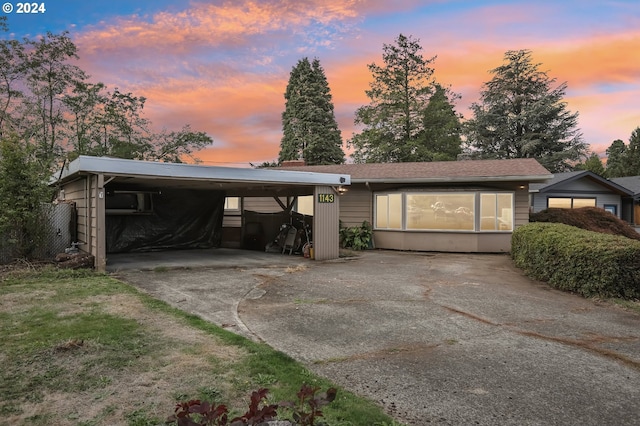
(466, 170)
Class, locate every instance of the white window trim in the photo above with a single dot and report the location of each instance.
(476, 207)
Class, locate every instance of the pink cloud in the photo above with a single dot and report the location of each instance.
(181, 62)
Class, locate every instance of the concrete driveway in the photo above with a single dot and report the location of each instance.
(433, 338)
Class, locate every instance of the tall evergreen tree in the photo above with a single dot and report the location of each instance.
(631, 158)
(310, 129)
(615, 159)
(399, 94)
(521, 115)
(592, 164)
(440, 139)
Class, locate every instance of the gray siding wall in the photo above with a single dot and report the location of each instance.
(521, 201)
(84, 193)
(76, 192)
(356, 206)
(263, 204)
(539, 200)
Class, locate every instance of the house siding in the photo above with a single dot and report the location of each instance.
(521, 201)
(356, 206)
(444, 241)
(263, 204)
(75, 192)
(540, 200)
(85, 194)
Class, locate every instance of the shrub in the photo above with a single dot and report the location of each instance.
(23, 189)
(356, 237)
(573, 259)
(589, 218)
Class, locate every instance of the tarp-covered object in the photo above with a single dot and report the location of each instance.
(180, 219)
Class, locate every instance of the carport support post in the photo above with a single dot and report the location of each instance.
(326, 223)
(101, 250)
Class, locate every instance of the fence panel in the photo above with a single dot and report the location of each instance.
(61, 219)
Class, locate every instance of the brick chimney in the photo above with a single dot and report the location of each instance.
(293, 163)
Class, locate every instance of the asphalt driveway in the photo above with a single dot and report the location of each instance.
(434, 338)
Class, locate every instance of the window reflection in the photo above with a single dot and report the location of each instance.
(460, 211)
(568, 202)
(440, 211)
(496, 212)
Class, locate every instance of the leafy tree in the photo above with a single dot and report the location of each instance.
(399, 94)
(265, 165)
(22, 191)
(173, 147)
(125, 130)
(49, 76)
(440, 139)
(12, 72)
(86, 105)
(592, 164)
(49, 102)
(615, 159)
(310, 129)
(521, 115)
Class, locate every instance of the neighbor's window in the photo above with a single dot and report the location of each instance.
(496, 212)
(441, 211)
(584, 202)
(389, 211)
(570, 203)
(232, 203)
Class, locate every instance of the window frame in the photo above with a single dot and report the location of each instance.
(477, 205)
(388, 216)
(572, 199)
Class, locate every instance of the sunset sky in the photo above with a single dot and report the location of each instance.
(223, 66)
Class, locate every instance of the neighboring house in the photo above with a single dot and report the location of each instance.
(582, 189)
(449, 206)
(630, 204)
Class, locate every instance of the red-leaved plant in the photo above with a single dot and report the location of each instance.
(203, 413)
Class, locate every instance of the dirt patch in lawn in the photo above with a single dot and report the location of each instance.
(177, 362)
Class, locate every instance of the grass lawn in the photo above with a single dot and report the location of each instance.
(80, 348)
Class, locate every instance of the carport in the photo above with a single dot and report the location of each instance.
(123, 202)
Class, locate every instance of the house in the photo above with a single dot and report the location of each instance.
(449, 206)
(125, 206)
(582, 189)
(630, 204)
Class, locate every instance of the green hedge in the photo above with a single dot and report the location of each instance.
(573, 259)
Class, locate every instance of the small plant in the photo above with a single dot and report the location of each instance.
(308, 406)
(356, 237)
(305, 410)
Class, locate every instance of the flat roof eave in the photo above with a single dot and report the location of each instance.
(149, 169)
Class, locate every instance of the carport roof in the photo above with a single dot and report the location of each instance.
(165, 173)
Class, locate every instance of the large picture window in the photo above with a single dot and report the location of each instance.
(445, 211)
(440, 211)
